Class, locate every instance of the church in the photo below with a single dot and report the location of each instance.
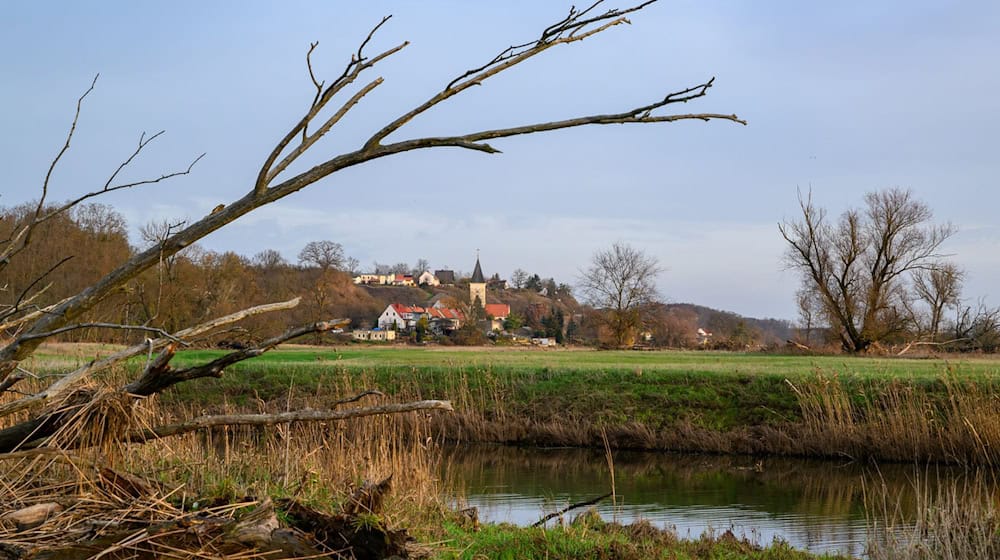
(443, 319)
(498, 312)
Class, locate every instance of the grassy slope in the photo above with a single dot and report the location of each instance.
(712, 389)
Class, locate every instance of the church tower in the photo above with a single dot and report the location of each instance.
(477, 285)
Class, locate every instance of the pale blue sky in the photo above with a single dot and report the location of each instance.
(844, 97)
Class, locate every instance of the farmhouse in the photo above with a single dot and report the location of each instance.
(445, 276)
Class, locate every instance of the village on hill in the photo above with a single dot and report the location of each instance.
(444, 315)
(446, 307)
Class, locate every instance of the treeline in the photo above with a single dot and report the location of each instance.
(72, 251)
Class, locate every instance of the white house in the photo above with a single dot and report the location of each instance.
(376, 335)
(396, 315)
(703, 337)
(405, 317)
(428, 279)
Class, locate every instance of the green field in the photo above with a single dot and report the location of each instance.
(683, 362)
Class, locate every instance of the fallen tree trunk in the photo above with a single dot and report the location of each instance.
(281, 418)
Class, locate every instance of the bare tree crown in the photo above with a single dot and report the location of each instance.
(858, 268)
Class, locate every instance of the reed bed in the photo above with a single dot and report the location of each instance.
(958, 520)
(950, 421)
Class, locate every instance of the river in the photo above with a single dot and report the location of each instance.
(815, 505)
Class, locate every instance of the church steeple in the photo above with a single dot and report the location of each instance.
(477, 274)
(477, 284)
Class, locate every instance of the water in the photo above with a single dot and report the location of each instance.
(818, 506)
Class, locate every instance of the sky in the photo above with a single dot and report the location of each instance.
(842, 98)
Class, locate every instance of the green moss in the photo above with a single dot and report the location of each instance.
(595, 539)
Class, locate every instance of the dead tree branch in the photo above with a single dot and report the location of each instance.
(569, 508)
(158, 376)
(282, 418)
(115, 326)
(74, 378)
(910, 345)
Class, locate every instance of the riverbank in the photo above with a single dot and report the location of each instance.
(938, 410)
(588, 536)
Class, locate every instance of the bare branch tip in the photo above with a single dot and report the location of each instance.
(196, 160)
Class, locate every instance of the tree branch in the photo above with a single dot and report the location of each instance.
(70, 380)
(158, 376)
(117, 326)
(512, 56)
(570, 508)
(354, 68)
(281, 418)
(13, 323)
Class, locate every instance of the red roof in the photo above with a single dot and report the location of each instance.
(445, 313)
(401, 309)
(432, 312)
(498, 310)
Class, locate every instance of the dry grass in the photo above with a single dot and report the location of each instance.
(958, 424)
(958, 520)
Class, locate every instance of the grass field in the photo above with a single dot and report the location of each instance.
(688, 362)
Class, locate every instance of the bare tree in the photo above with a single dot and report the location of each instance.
(325, 255)
(620, 282)
(810, 312)
(352, 265)
(422, 266)
(977, 328)
(858, 270)
(276, 179)
(519, 278)
(938, 287)
(269, 259)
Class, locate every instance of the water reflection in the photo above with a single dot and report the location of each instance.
(814, 505)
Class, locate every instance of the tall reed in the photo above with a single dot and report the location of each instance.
(951, 421)
(957, 520)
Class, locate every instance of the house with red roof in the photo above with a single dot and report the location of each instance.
(405, 317)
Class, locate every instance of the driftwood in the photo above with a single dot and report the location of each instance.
(798, 345)
(570, 508)
(281, 418)
(929, 343)
(32, 516)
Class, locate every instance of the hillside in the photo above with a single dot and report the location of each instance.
(725, 324)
